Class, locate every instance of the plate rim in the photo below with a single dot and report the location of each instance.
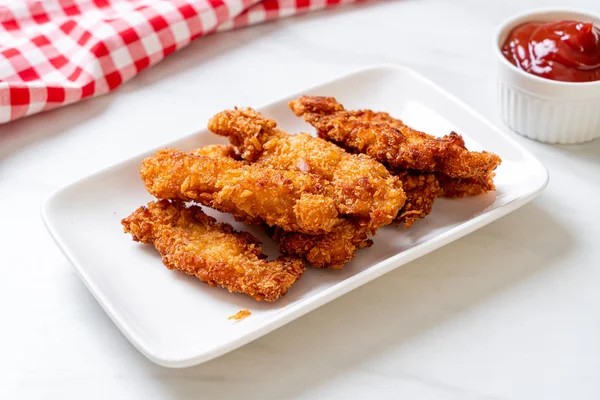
(294, 311)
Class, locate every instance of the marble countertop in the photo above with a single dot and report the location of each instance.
(509, 312)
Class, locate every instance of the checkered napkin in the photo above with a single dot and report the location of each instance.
(56, 52)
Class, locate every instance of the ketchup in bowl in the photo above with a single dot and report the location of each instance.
(567, 51)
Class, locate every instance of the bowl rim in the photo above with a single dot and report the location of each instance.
(530, 15)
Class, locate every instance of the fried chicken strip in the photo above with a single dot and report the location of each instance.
(402, 149)
(331, 250)
(390, 141)
(448, 187)
(366, 188)
(194, 243)
(292, 200)
(363, 186)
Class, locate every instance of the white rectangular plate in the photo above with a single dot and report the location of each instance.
(178, 321)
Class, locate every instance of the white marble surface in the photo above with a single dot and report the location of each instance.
(510, 312)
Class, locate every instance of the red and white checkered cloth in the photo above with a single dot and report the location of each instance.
(56, 52)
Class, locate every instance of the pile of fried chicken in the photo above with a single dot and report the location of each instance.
(321, 198)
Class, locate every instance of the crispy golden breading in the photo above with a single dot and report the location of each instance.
(399, 147)
(246, 129)
(463, 187)
(421, 190)
(292, 200)
(390, 141)
(194, 243)
(240, 315)
(363, 186)
(379, 117)
(218, 151)
(449, 187)
(331, 250)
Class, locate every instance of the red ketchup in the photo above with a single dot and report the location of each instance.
(567, 51)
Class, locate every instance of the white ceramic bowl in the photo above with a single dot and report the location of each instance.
(542, 109)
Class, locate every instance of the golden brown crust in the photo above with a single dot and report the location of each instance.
(194, 243)
(411, 155)
(390, 141)
(463, 187)
(240, 315)
(423, 188)
(256, 130)
(331, 250)
(363, 187)
(421, 191)
(218, 151)
(252, 193)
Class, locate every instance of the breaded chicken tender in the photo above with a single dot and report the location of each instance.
(194, 243)
(428, 167)
(292, 200)
(364, 188)
(390, 141)
(330, 250)
(448, 187)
